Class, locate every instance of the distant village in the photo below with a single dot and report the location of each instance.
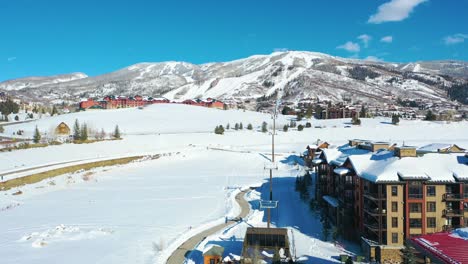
(308, 107)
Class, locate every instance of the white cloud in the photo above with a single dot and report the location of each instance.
(387, 39)
(373, 58)
(395, 10)
(455, 39)
(280, 49)
(365, 39)
(11, 59)
(350, 46)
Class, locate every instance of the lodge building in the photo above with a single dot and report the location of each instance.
(380, 194)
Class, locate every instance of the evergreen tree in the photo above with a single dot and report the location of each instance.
(363, 112)
(430, 116)
(299, 116)
(309, 112)
(8, 107)
(76, 130)
(249, 127)
(292, 123)
(395, 119)
(285, 128)
(2, 129)
(84, 132)
(241, 126)
(300, 128)
(227, 126)
(308, 124)
(349, 260)
(54, 111)
(116, 134)
(264, 127)
(43, 110)
(236, 126)
(37, 136)
(408, 254)
(16, 118)
(356, 120)
(216, 130)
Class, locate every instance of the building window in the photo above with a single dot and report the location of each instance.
(415, 190)
(431, 191)
(431, 207)
(394, 190)
(415, 223)
(394, 207)
(431, 222)
(395, 238)
(212, 261)
(394, 221)
(415, 207)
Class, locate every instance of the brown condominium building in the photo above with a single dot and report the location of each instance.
(381, 195)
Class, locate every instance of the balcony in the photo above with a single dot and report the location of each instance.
(375, 227)
(453, 213)
(452, 197)
(374, 196)
(375, 211)
(415, 195)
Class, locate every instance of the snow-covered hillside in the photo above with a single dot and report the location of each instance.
(134, 213)
(300, 74)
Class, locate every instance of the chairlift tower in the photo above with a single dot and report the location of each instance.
(272, 204)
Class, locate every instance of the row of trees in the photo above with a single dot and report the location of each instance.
(81, 132)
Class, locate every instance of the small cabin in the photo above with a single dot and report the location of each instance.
(62, 130)
(213, 254)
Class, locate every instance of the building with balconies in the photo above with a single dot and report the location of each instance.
(387, 196)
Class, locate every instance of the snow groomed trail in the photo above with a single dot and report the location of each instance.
(179, 255)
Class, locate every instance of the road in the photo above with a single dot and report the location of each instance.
(178, 256)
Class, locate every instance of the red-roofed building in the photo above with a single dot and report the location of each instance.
(442, 247)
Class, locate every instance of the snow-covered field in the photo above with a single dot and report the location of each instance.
(132, 213)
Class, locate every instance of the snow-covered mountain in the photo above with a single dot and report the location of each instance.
(299, 74)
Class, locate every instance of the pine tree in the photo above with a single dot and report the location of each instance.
(430, 116)
(116, 134)
(285, 128)
(408, 254)
(395, 119)
(264, 127)
(236, 126)
(221, 129)
(102, 135)
(349, 261)
(37, 136)
(227, 126)
(249, 127)
(308, 124)
(241, 126)
(363, 112)
(54, 111)
(356, 120)
(84, 132)
(2, 129)
(16, 118)
(300, 128)
(309, 112)
(76, 130)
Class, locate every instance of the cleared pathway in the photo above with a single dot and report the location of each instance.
(178, 256)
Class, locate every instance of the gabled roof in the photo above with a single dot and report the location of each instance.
(213, 250)
(437, 147)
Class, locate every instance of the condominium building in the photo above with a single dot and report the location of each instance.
(382, 195)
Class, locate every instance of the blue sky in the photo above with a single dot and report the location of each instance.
(46, 37)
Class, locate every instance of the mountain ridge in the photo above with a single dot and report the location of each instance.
(301, 74)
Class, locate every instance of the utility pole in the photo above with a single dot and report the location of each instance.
(275, 113)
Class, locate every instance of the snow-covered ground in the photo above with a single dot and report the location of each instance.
(132, 213)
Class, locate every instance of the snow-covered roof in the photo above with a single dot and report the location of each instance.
(341, 171)
(317, 161)
(435, 147)
(434, 167)
(337, 156)
(213, 250)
